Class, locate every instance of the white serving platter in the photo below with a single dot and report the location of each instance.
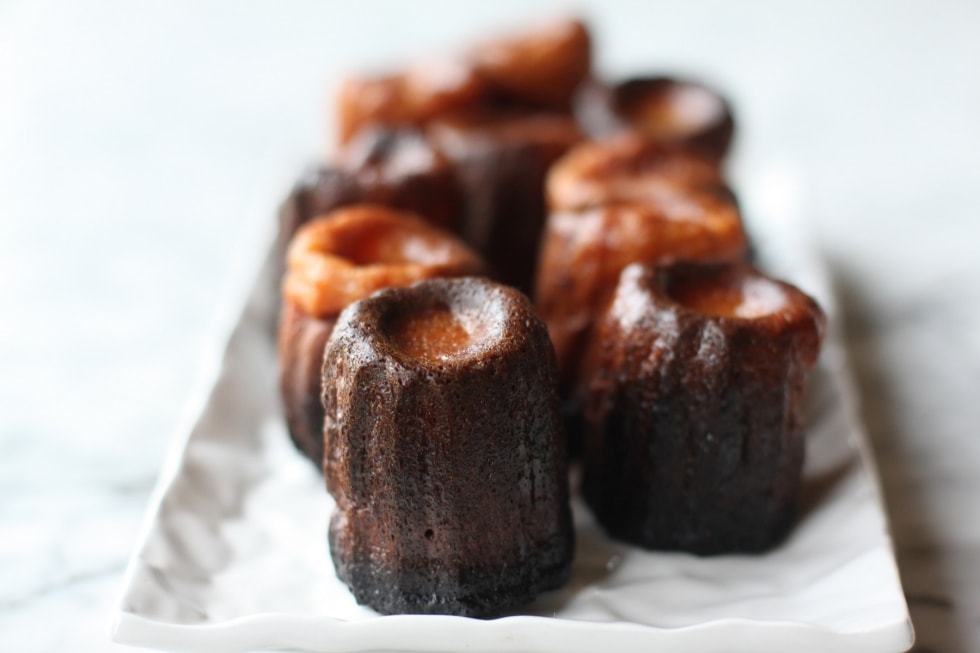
(233, 556)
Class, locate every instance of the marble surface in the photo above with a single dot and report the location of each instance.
(141, 146)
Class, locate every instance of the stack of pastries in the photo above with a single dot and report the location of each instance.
(508, 262)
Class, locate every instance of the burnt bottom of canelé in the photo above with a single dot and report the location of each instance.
(470, 589)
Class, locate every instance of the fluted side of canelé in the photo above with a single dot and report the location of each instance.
(694, 437)
(449, 477)
(502, 160)
(302, 338)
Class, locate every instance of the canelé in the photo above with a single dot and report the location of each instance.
(502, 158)
(333, 261)
(665, 110)
(409, 98)
(540, 67)
(693, 386)
(444, 450)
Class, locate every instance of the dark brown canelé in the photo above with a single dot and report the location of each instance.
(332, 262)
(444, 451)
(694, 435)
(623, 201)
(665, 110)
(502, 159)
(395, 168)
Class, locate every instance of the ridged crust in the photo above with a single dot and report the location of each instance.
(301, 342)
(449, 477)
(502, 159)
(694, 437)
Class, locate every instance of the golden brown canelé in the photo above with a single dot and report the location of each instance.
(501, 160)
(666, 110)
(444, 451)
(332, 262)
(694, 437)
(395, 168)
(623, 201)
(540, 67)
(409, 98)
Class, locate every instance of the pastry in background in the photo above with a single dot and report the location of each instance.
(395, 168)
(666, 110)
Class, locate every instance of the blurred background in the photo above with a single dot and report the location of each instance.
(143, 147)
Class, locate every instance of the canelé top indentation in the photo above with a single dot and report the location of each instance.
(730, 298)
(347, 255)
(443, 321)
(735, 294)
(668, 109)
(437, 332)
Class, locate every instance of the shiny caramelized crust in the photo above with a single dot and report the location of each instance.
(395, 168)
(333, 261)
(628, 167)
(421, 92)
(444, 451)
(541, 67)
(502, 159)
(694, 384)
(665, 110)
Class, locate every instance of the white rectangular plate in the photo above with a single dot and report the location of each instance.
(234, 554)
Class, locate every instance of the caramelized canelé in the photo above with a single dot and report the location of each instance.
(336, 260)
(541, 67)
(444, 450)
(665, 110)
(618, 202)
(693, 387)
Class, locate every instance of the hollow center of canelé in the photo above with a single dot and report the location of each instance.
(436, 333)
(744, 297)
(388, 244)
(671, 110)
